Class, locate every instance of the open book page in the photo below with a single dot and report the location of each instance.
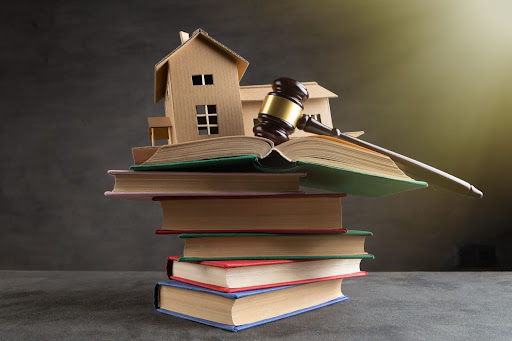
(334, 152)
(211, 148)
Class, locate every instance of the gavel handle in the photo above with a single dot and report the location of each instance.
(415, 169)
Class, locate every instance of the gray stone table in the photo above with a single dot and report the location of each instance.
(41, 305)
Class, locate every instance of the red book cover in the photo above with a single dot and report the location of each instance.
(242, 196)
(226, 264)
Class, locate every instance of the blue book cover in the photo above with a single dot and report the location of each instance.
(233, 296)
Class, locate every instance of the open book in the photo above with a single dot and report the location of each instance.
(330, 164)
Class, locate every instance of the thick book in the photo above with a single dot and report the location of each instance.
(330, 164)
(292, 213)
(245, 309)
(242, 275)
(227, 246)
(148, 185)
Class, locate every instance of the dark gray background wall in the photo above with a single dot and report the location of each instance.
(429, 79)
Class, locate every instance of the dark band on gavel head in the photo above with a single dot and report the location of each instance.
(281, 110)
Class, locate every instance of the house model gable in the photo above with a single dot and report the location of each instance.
(161, 68)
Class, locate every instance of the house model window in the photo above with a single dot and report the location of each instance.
(207, 119)
(202, 79)
(316, 117)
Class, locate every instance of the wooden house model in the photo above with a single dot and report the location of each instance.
(199, 82)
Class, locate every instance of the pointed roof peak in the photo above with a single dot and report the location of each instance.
(161, 66)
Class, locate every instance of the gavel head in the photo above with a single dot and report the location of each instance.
(281, 110)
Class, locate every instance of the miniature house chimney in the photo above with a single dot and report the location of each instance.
(184, 36)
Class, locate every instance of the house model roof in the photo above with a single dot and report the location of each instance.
(258, 92)
(161, 67)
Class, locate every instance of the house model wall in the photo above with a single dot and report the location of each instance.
(317, 105)
(199, 82)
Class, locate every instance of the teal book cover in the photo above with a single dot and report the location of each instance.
(317, 176)
(225, 246)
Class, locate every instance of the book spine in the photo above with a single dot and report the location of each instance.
(156, 296)
(168, 267)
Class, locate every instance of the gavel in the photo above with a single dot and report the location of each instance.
(281, 113)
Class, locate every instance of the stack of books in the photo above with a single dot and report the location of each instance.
(259, 246)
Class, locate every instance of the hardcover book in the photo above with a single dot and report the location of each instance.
(291, 212)
(148, 185)
(228, 246)
(241, 275)
(245, 309)
(330, 164)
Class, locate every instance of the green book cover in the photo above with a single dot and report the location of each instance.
(318, 176)
(200, 259)
(277, 235)
(250, 234)
(243, 163)
(352, 182)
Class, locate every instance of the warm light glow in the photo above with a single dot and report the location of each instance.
(497, 14)
(448, 64)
